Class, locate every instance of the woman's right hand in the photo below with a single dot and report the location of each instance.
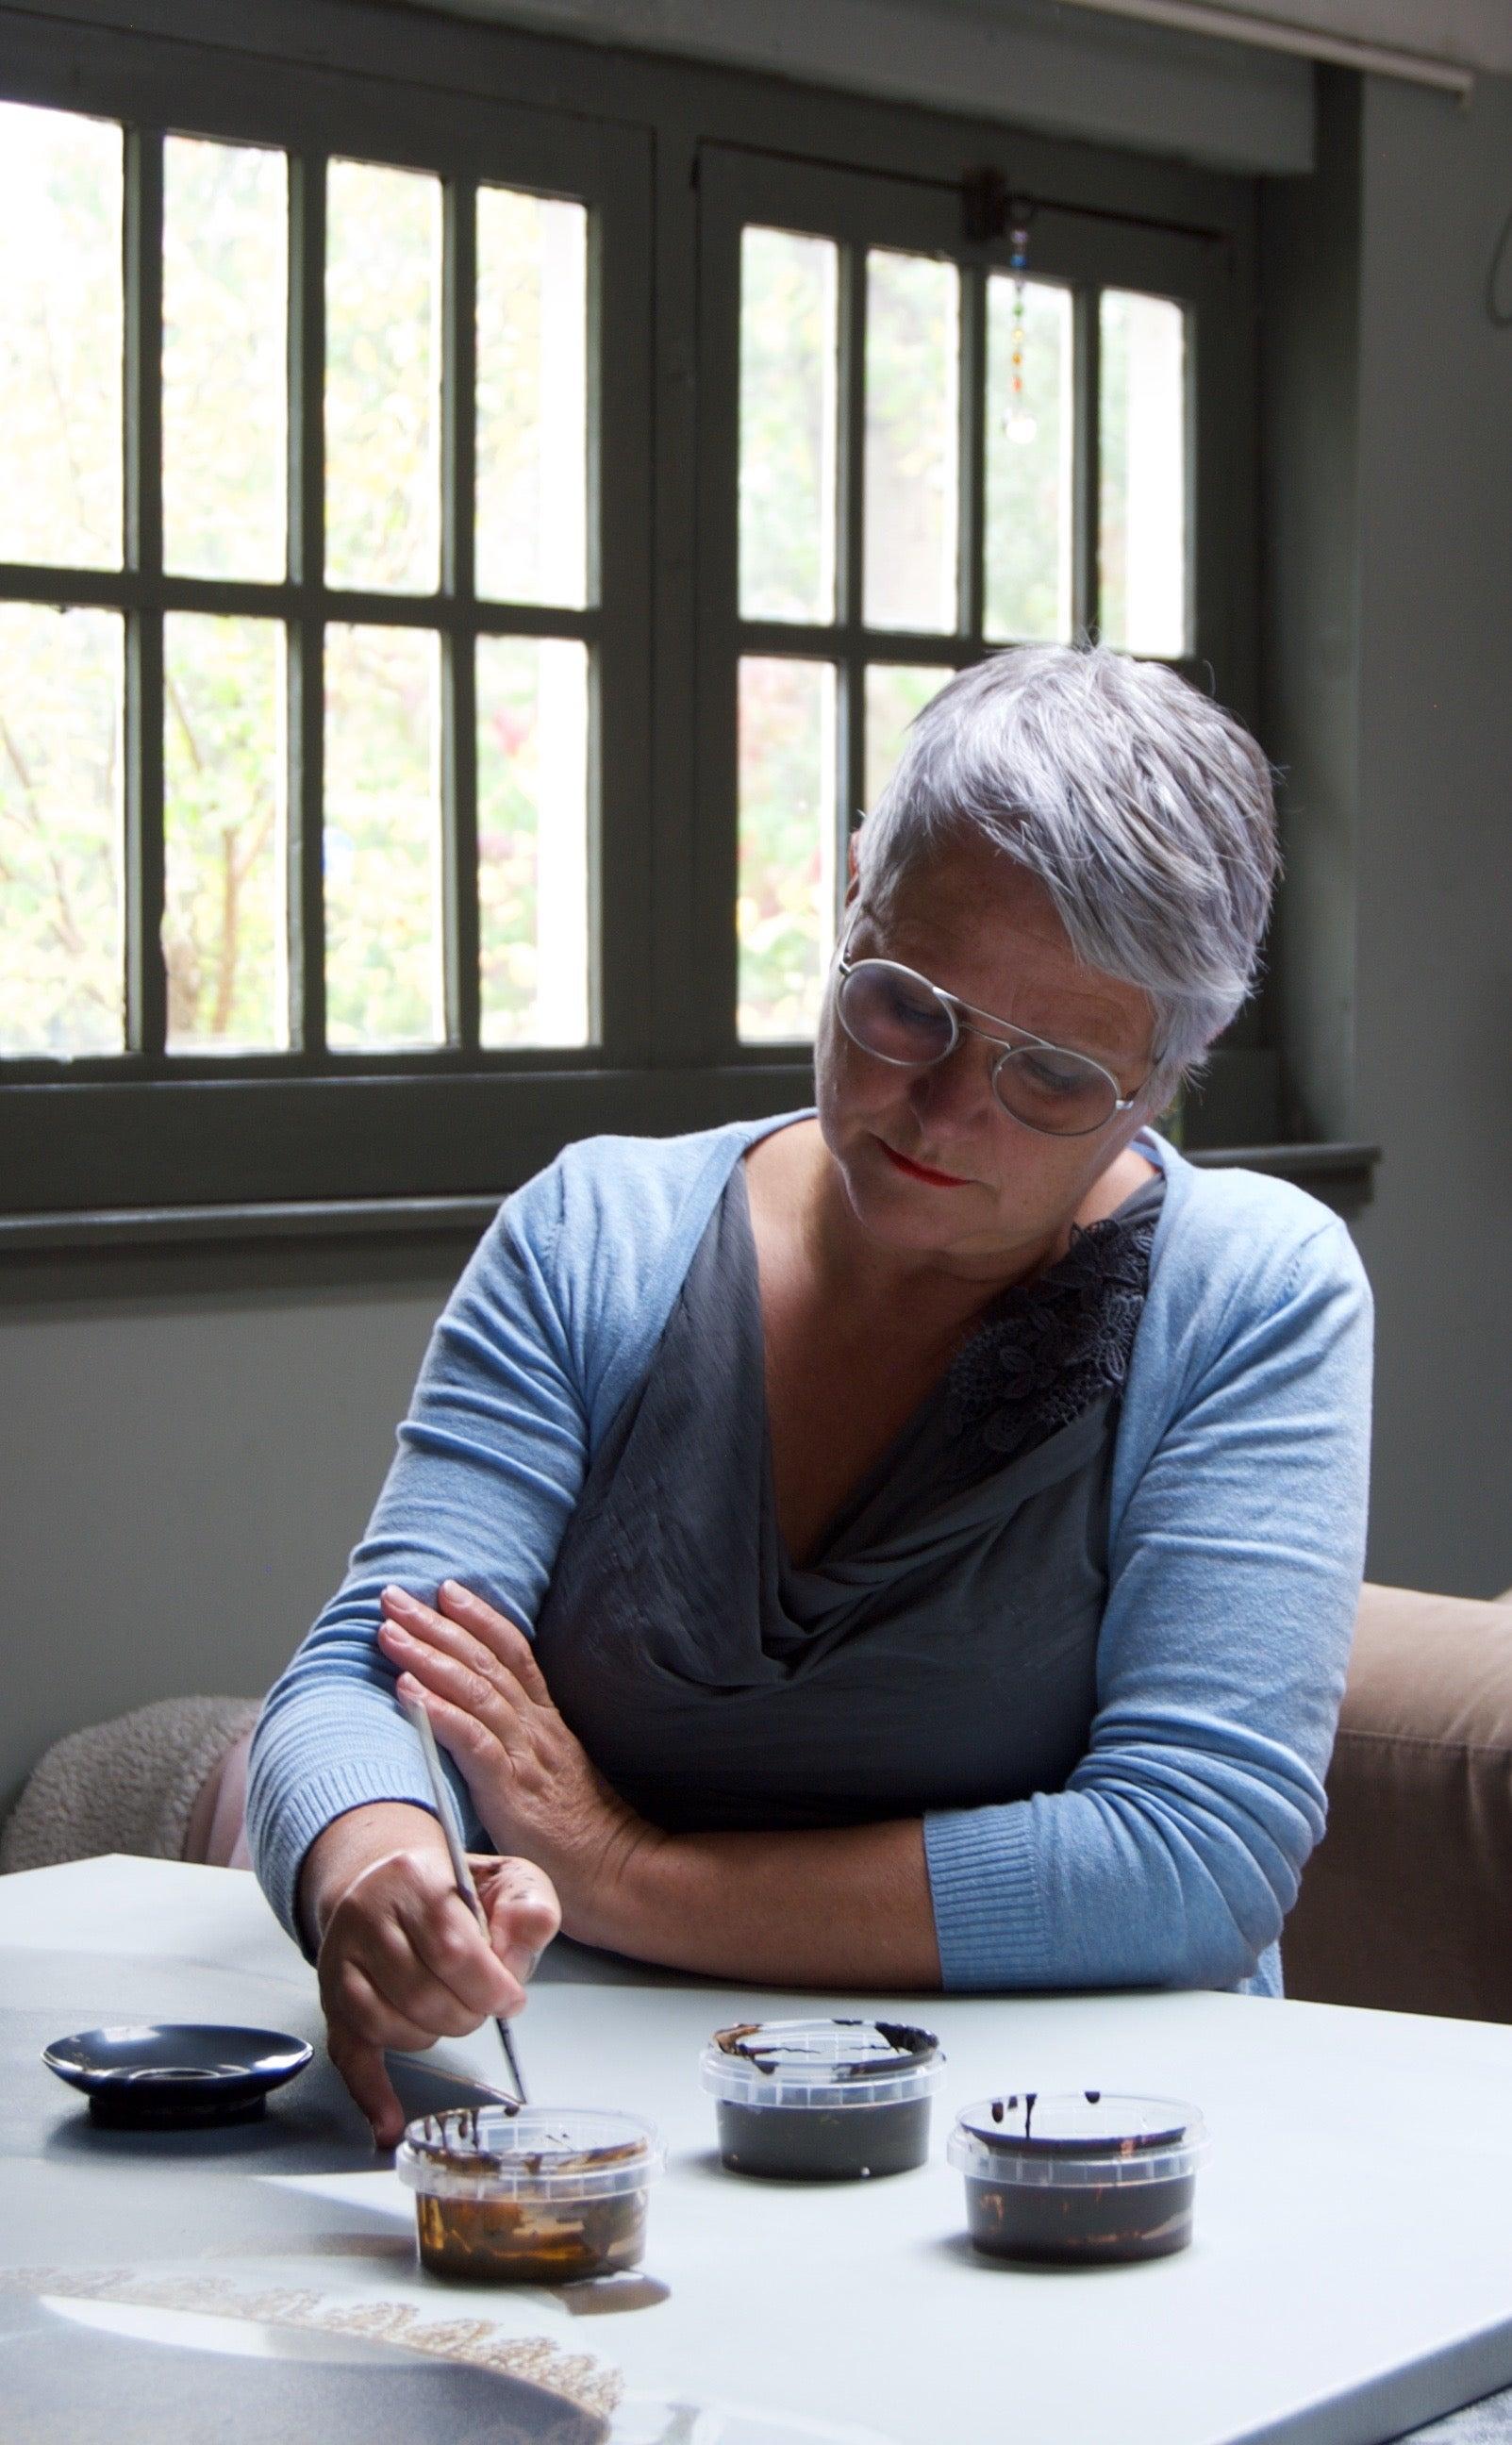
(403, 1961)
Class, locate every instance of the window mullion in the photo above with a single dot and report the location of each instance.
(146, 974)
(852, 403)
(307, 562)
(1086, 478)
(1195, 527)
(850, 394)
(971, 531)
(851, 759)
(459, 690)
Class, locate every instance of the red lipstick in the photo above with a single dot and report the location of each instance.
(922, 1171)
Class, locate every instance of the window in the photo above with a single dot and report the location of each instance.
(937, 450)
(450, 614)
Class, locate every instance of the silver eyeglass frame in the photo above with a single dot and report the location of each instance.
(1016, 1039)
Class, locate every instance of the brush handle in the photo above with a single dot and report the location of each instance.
(460, 1868)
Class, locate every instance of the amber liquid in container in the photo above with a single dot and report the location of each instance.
(540, 2195)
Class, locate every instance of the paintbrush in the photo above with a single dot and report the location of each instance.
(461, 1870)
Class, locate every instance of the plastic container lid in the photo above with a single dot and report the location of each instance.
(541, 2153)
(824, 2063)
(1084, 2139)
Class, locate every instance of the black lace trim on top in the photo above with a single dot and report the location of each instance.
(1054, 1346)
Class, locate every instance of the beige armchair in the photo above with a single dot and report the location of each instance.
(1407, 1904)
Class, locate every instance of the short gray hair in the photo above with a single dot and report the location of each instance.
(1146, 811)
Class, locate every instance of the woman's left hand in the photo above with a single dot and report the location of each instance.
(534, 1784)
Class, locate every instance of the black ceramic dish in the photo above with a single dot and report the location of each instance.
(175, 2075)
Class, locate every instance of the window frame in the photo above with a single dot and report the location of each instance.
(640, 139)
(1088, 247)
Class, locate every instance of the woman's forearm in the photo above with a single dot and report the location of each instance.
(350, 1843)
(845, 1906)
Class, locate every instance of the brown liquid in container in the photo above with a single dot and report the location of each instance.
(539, 2197)
(1094, 2227)
(1089, 2181)
(511, 2241)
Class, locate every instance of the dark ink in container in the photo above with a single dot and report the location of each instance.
(822, 2101)
(1081, 2180)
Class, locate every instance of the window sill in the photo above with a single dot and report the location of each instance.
(1338, 1174)
(1338, 1160)
(334, 1218)
(1342, 1172)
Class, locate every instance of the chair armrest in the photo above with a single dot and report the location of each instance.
(1407, 1903)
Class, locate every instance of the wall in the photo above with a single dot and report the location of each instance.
(1055, 70)
(1389, 524)
(189, 1445)
(1310, 561)
(1471, 33)
(1434, 1012)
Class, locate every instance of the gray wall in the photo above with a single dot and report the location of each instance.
(1433, 949)
(189, 1445)
(1389, 528)
(1034, 62)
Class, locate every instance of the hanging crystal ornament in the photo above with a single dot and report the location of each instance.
(1017, 424)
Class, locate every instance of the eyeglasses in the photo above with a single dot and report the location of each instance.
(898, 1014)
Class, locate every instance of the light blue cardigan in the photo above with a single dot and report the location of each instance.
(1236, 1547)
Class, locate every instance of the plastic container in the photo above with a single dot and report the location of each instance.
(540, 2195)
(822, 2101)
(1085, 2179)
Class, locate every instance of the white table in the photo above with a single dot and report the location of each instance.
(1350, 2277)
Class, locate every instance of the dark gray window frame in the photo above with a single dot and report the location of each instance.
(1208, 270)
(636, 138)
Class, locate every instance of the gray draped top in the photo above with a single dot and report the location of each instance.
(937, 1650)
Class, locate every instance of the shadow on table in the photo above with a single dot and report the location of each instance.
(956, 2250)
(73, 2368)
(307, 2138)
(311, 2126)
(62, 2213)
(204, 2192)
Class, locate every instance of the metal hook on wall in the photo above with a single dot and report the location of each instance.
(990, 207)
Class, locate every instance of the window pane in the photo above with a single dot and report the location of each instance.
(224, 929)
(1027, 575)
(895, 693)
(61, 357)
(1142, 543)
(532, 840)
(785, 911)
(62, 834)
(225, 346)
(382, 378)
(384, 973)
(913, 318)
(531, 398)
(788, 354)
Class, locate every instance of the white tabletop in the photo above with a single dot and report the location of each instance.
(1350, 2278)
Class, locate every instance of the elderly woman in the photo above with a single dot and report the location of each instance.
(906, 1543)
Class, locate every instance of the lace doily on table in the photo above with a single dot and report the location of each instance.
(1054, 1346)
